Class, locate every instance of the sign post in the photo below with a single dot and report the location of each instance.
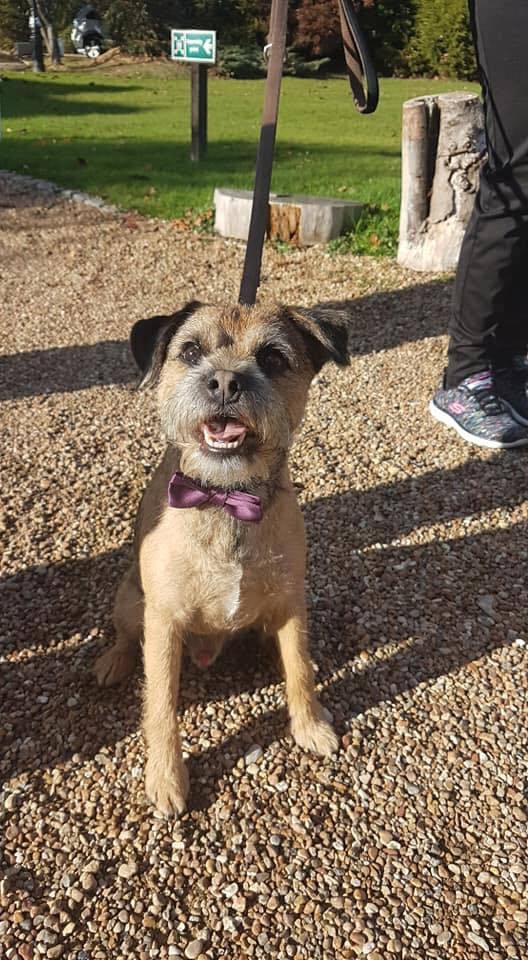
(198, 111)
(197, 47)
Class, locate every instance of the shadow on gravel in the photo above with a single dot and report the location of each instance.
(423, 598)
(381, 321)
(51, 706)
(376, 322)
(65, 369)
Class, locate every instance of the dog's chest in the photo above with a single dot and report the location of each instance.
(231, 599)
(234, 598)
(214, 582)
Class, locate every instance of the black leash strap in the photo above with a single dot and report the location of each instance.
(259, 210)
(361, 73)
(364, 84)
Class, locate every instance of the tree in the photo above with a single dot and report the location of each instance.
(318, 30)
(442, 44)
(386, 23)
(13, 22)
(47, 12)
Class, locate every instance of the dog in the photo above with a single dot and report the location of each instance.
(224, 550)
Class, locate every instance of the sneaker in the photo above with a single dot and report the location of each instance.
(478, 414)
(511, 384)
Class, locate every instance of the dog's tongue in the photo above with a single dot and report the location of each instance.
(225, 429)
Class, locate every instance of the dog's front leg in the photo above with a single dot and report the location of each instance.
(166, 781)
(309, 725)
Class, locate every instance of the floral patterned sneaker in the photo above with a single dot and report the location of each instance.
(511, 384)
(478, 414)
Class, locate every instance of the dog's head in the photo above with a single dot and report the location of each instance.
(232, 383)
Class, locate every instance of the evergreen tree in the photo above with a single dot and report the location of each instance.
(442, 44)
(387, 24)
(13, 22)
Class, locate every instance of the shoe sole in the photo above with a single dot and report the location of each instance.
(516, 416)
(449, 421)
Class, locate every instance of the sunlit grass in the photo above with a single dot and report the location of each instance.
(126, 138)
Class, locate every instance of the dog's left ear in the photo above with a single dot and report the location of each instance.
(324, 338)
(150, 338)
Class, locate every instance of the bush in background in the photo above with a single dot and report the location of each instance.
(406, 37)
(441, 44)
(242, 63)
(388, 25)
(246, 63)
(316, 28)
(13, 23)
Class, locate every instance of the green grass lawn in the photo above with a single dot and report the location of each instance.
(126, 137)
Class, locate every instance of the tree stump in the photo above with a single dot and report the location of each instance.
(443, 145)
(292, 218)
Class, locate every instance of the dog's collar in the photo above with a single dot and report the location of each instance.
(184, 492)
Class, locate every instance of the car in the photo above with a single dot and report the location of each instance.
(87, 34)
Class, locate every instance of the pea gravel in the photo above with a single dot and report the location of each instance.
(411, 842)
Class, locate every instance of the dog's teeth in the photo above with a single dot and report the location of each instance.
(223, 444)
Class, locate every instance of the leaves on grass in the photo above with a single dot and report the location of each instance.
(129, 221)
(195, 221)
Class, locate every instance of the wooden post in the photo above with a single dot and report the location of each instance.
(198, 111)
(442, 148)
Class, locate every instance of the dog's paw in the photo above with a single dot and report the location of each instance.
(114, 665)
(167, 787)
(313, 732)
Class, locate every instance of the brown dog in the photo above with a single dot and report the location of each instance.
(226, 552)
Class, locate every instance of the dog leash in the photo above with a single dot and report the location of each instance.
(362, 75)
(264, 165)
(364, 85)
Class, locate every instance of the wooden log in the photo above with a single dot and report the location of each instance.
(284, 222)
(443, 145)
(292, 218)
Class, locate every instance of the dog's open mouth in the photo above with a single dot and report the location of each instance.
(224, 434)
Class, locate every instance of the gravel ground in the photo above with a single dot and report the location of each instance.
(411, 842)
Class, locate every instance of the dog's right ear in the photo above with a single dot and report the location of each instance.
(149, 341)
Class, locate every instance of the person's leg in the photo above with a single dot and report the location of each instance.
(489, 323)
(490, 310)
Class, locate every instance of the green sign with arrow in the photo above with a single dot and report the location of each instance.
(194, 46)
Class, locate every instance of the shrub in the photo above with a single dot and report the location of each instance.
(13, 23)
(297, 66)
(442, 44)
(317, 29)
(242, 63)
(387, 24)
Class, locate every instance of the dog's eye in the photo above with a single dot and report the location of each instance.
(191, 353)
(272, 361)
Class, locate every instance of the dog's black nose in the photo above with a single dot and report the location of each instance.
(225, 386)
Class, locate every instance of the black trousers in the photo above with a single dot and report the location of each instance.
(490, 312)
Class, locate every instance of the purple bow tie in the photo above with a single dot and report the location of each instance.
(185, 492)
